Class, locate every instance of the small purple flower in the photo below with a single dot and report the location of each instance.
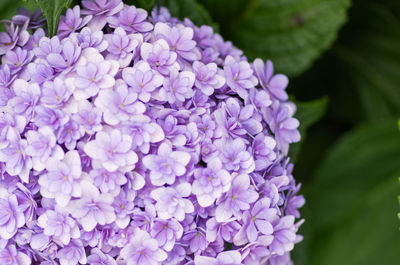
(112, 150)
(142, 79)
(167, 233)
(237, 120)
(122, 46)
(256, 221)
(239, 76)
(27, 96)
(71, 22)
(166, 165)
(159, 56)
(132, 20)
(72, 254)
(119, 105)
(61, 180)
(69, 134)
(282, 124)
(88, 117)
(40, 72)
(92, 208)
(284, 235)
(210, 182)
(171, 202)
(217, 231)
(41, 146)
(17, 59)
(263, 151)
(231, 257)
(93, 76)
(100, 9)
(107, 181)
(17, 163)
(88, 38)
(97, 257)
(239, 198)
(124, 207)
(208, 77)
(15, 35)
(66, 55)
(142, 249)
(55, 93)
(177, 88)
(10, 123)
(196, 239)
(143, 133)
(274, 84)
(235, 157)
(180, 40)
(53, 118)
(11, 217)
(11, 256)
(59, 225)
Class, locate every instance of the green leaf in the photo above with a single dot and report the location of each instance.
(8, 8)
(52, 10)
(145, 4)
(189, 9)
(351, 205)
(360, 74)
(308, 113)
(292, 33)
(370, 51)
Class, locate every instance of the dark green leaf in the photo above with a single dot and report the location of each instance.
(308, 113)
(351, 202)
(292, 33)
(189, 9)
(8, 8)
(145, 4)
(52, 10)
(360, 74)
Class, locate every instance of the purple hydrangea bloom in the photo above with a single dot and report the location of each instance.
(256, 221)
(239, 76)
(224, 258)
(112, 150)
(92, 208)
(275, 84)
(61, 180)
(59, 225)
(166, 165)
(208, 77)
(159, 56)
(97, 257)
(142, 80)
(72, 21)
(210, 182)
(15, 35)
(12, 217)
(131, 19)
(72, 254)
(171, 202)
(237, 199)
(143, 250)
(11, 256)
(101, 9)
(180, 40)
(122, 46)
(134, 139)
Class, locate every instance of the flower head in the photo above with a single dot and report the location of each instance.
(137, 138)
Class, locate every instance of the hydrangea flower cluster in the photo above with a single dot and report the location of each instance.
(133, 139)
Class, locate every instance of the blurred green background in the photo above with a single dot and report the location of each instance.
(343, 58)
